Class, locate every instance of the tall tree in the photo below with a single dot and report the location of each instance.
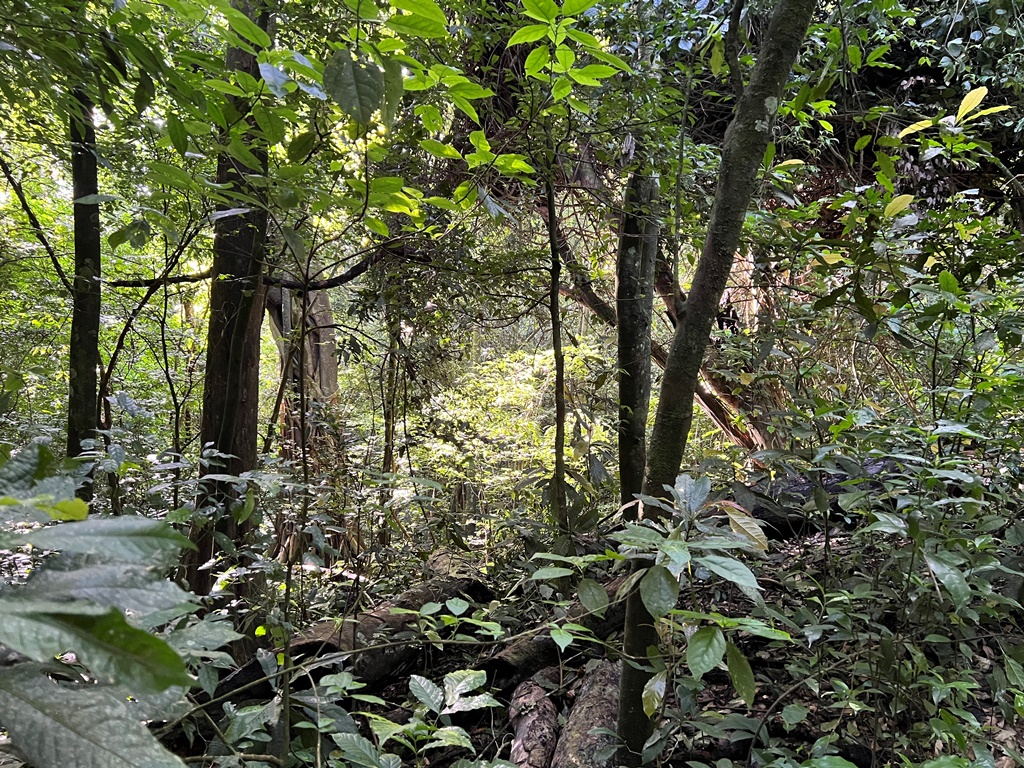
(744, 145)
(237, 297)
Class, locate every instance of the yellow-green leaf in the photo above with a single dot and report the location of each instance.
(898, 204)
(920, 125)
(970, 102)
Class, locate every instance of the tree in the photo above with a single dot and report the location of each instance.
(743, 148)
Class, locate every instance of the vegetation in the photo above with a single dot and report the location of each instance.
(349, 360)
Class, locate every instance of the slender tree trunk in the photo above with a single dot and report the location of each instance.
(231, 385)
(634, 301)
(84, 356)
(560, 512)
(742, 151)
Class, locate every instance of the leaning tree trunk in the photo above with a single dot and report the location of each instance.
(84, 355)
(231, 384)
(742, 151)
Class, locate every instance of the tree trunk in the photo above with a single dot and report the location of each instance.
(560, 512)
(634, 302)
(84, 355)
(231, 385)
(742, 151)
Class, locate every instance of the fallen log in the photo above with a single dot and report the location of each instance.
(527, 655)
(534, 721)
(597, 706)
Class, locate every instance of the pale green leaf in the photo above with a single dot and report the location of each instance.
(970, 102)
(427, 693)
(551, 572)
(542, 10)
(529, 34)
(426, 8)
(130, 539)
(920, 125)
(654, 692)
(897, 205)
(729, 568)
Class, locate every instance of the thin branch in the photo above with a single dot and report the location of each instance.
(160, 281)
(732, 49)
(37, 228)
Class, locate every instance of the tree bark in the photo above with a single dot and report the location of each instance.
(743, 149)
(231, 385)
(84, 355)
(634, 301)
(560, 513)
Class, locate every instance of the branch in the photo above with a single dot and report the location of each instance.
(732, 49)
(37, 228)
(162, 280)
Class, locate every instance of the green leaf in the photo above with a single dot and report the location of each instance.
(357, 749)
(427, 692)
(529, 34)
(576, 7)
(275, 78)
(394, 90)
(135, 588)
(425, 8)
(417, 26)
(948, 283)
(537, 60)
(244, 26)
(704, 650)
(659, 590)
(740, 673)
(55, 725)
(177, 133)
(562, 638)
(729, 568)
(356, 84)
(551, 572)
(945, 569)
(654, 692)
(862, 142)
(129, 539)
(561, 88)
(542, 10)
(102, 639)
(593, 596)
(449, 736)
(920, 125)
(794, 714)
(301, 146)
(829, 761)
(439, 149)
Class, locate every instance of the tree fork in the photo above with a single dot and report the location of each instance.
(742, 151)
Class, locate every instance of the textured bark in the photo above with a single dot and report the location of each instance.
(534, 721)
(743, 148)
(634, 301)
(595, 708)
(231, 385)
(560, 512)
(84, 356)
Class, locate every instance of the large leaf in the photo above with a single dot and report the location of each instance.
(101, 639)
(704, 650)
(134, 588)
(427, 692)
(741, 674)
(356, 84)
(593, 596)
(129, 539)
(946, 571)
(729, 568)
(659, 590)
(80, 727)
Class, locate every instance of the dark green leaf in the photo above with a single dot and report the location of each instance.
(704, 650)
(356, 84)
(593, 596)
(130, 539)
(740, 673)
(659, 590)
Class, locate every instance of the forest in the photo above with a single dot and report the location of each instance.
(511, 384)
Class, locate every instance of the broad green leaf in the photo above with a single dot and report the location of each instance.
(205, 635)
(177, 134)
(541, 10)
(357, 749)
(244, 26)
(828, 761)
(538, 59)
(101, 638)
(704, 650)
(740, 673)
(417, 26)
(426, 8)
(551, 572)
(561, 88)
(356, 84)
(457, 606)
(275, 78)
(394, 90)
(74, 726)
(128, 539)
(471, 703)
(449, 736)
(562, 638)
(897, 205)
(439, 149)
(576, 7)
(729, 568)
(949, 284)
(654, 692)
(970, 102)
(949, 575)
(134, 588)
(988, 111)
(301, 146)
(529, 34)
(862, 142)
(794, 714)
(593, 596)
(659, 590)
(461, 682)
(427, 693)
